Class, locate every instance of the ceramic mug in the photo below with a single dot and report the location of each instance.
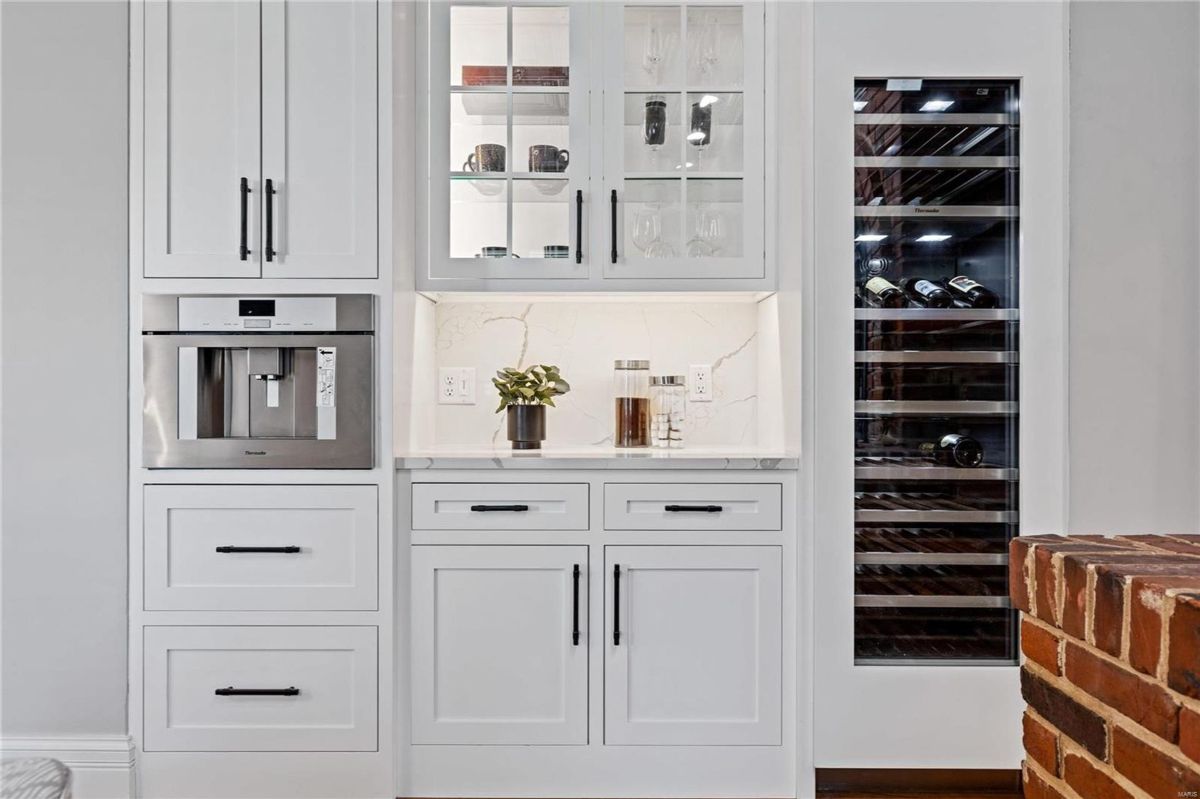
(486, 158)
(548, 158)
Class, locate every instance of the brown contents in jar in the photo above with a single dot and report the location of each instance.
(633, 422)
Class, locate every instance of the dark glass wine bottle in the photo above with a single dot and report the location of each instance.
(925, 293)
(970, 293)
(953, 449)
(881, 293)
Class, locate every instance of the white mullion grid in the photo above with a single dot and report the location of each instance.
(508, 144)
(686, 114)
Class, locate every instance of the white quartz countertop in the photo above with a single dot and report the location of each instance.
(600, 458)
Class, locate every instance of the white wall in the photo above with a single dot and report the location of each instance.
(64, 148)
(1135, 250)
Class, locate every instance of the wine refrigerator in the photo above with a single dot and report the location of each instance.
(936, 364)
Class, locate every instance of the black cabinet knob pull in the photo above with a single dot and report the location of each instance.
(288, 550)
(499, 508)
(693, 508)
(231, 691)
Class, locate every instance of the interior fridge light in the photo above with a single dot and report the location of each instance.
(937, 105)
(870, 237)
(860, 105)
(934, 237)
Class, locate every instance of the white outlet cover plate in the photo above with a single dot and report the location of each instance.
(456, 385)
(700, 383)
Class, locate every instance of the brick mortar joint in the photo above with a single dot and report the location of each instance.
(1105, 768)
(1057, 783)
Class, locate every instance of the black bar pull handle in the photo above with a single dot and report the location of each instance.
(231, 691)
(616, 604)
(244, 242)
(575, 605)
(501, 508)
(614, 226)
(269, 192)
(693, 508)
(579, 226)
(288, 550)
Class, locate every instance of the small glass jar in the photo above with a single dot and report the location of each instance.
(668, 399)
(631, 397)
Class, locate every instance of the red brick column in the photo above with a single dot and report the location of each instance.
(1110, 632)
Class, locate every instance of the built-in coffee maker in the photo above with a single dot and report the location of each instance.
(255, 382)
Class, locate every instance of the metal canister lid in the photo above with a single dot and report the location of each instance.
(668, 380)
(631, 364)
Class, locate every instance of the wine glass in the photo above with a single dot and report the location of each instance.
(712, 231)
(654, 53)
(700, 129)
(708, 48)
(647, 228)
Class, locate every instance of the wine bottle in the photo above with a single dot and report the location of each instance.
(970, 293)
(925, 293)
(953, 449)
(882, 293)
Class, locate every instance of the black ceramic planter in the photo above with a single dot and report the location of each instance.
(526, 426)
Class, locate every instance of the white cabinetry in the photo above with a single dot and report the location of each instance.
(600, 146)
(260, 148)
(693, 636)
(500, 646)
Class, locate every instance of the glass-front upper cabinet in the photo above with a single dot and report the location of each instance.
(605, 143)
(508, 108)
(683, 140)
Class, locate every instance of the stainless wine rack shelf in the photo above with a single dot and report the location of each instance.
(934, 408)
(935, 118)
(944, 211)
(934, 356)
(929, 559)
(885, 468)
(936, 314)
(929, 601)
(936, 162)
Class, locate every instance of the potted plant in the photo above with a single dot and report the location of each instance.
(525, 395)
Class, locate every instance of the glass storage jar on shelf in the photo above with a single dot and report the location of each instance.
(631, 400)
(668, 404)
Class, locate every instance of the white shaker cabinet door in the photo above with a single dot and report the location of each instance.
(319, 143)
(499, 644)
(201, 139)
(693, 642)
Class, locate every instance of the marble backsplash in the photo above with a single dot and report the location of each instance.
(584, 338)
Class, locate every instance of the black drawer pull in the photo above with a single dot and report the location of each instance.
(693, 508)
(616, 604)
(231, 691)
(575, 606)
(284, 550)
(491, 508)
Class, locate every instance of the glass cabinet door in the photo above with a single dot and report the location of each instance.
(508, 139)
(683, 140)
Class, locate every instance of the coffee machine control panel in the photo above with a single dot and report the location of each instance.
(274, 314)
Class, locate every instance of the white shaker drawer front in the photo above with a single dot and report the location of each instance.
(500, 506)
(222, 547)
(693, 506)
(260, 689)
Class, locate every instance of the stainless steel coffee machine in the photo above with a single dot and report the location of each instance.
(255, 382)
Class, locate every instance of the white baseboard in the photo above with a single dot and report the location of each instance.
(101, 766)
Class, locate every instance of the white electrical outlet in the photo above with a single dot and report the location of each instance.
(456, 385)
(700, 383)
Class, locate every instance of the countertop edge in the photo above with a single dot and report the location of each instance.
(599, 462)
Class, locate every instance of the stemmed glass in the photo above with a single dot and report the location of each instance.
(654, 53)
(700, 129)
(708, 49)
(708, 234)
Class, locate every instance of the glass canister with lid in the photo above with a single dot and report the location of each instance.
(631, 396)
(668, 400)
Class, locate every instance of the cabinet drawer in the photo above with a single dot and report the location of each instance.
(693, 506)
(500, 506)
(317, 547)
(323, 679)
